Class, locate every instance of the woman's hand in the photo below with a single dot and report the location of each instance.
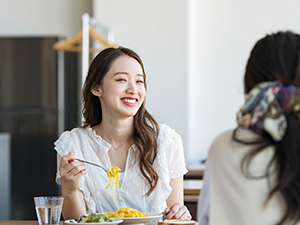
(177, 211)
(71, 171)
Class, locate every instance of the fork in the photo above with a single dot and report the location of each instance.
(94, 164)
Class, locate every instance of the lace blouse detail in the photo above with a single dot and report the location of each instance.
(86, 144)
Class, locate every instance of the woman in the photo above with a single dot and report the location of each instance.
(118, 131)
(253, 172)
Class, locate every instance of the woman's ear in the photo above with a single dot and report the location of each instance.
(96, 90)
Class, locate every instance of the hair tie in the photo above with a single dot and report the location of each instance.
(266, 106)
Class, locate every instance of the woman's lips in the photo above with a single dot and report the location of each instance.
(129, 101)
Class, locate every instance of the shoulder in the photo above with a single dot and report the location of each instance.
(165, 130)
(68, 140)
(167, 134)
(68, 136)
(224, 147)
(221, 144)
(222, 138)
(72, 132)
(225, 139)
(169, 141)
(164, 127)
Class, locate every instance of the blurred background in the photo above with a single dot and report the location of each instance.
(194, 53)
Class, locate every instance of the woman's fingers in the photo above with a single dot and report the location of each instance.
(67, 159)
(72, 169)
(185, 215)
(171, 212)
(178, 211)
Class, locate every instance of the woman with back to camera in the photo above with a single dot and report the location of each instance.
(118, 131)
(253, 172)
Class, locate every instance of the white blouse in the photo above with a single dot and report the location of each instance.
(86, 144)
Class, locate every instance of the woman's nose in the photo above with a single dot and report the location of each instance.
(131, 89)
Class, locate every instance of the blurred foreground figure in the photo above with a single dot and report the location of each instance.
(253, 172)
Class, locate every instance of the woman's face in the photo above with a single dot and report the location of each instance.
(122, 91)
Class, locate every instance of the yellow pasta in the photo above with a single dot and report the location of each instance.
(113, 172)
(125, 212)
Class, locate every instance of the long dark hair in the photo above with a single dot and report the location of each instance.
(145, 127)
(276, 57)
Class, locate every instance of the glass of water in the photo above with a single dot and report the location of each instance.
(48, 209)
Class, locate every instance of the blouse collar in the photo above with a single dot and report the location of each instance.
(106, 145)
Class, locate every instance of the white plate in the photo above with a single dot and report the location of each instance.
(134, 220)
(114, 222)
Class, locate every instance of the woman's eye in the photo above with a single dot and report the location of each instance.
(121, 79)
(140, 81)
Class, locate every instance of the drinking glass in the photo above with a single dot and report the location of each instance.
(48, 209)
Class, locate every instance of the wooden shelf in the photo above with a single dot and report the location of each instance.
(195, 172)
(192, 187)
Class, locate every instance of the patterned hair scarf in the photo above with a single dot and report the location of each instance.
(266, 106)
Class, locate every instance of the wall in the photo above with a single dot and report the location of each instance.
(221, 35)
(194, 51)
(47, 17)
(157, 31)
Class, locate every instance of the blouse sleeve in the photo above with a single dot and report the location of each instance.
(175, 156)
(69, 141)
(62, 146)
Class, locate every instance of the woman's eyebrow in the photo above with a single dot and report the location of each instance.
(117, 73)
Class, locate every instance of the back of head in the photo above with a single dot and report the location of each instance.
(276, 58)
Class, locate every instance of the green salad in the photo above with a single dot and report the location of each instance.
(94, 218)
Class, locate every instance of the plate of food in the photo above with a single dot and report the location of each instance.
(95, 218)
(133, 216)
(135, 220)
(176, 222)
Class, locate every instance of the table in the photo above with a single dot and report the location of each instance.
(192, 188)
(22, 222)
(35, 222)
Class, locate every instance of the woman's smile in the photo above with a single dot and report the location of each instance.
(123, 90)
(130, 101)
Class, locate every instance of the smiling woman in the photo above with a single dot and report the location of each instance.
(119, 132)
(122, 86)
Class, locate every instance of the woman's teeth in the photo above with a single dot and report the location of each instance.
(129, 100)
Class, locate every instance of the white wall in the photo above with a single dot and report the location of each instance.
(42, 18)
(221, 35)
(194, 51)
(157, 31)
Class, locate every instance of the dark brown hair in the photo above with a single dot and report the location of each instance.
(276, 57)
(145, 127)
